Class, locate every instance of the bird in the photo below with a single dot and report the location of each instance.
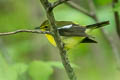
(71, 33)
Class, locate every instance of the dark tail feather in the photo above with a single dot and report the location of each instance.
(98, 25)
(88, 40)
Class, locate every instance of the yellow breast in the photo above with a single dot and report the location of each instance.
(51, 39)
(69, 42)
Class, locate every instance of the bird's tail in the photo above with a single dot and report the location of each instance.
(98, 25)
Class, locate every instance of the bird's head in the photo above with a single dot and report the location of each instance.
(44, 26)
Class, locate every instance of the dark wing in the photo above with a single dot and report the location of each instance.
(72, 30)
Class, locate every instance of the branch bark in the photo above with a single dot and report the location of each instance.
(60, 45)
(116, 15)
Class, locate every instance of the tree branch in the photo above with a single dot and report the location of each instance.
(93, 15)
(93, 10)
(106, 34)
(71, 4)
(58, 3)
(60, 45)
(116, 15)
(24, 30)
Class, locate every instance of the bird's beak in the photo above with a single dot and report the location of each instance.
(37, 27)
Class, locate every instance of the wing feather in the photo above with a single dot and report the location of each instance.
(75, 30)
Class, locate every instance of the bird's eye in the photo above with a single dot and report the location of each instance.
(46, 27)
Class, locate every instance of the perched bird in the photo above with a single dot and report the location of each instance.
(71, 33)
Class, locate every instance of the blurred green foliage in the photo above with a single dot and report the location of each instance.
(40, 71)
(31, 57)
(11, 72)
(117, 7)
(102, 3)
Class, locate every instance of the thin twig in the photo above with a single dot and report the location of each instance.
(58, 3)
(71, 4)
(93, 10)
(60, 45)
(24, 30)
(106, 35)
(116, 15)
(93, 15)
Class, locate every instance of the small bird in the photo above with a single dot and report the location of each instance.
(71, 33)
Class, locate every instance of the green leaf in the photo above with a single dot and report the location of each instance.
(60, 65)
(56, 64)
(39, 70)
